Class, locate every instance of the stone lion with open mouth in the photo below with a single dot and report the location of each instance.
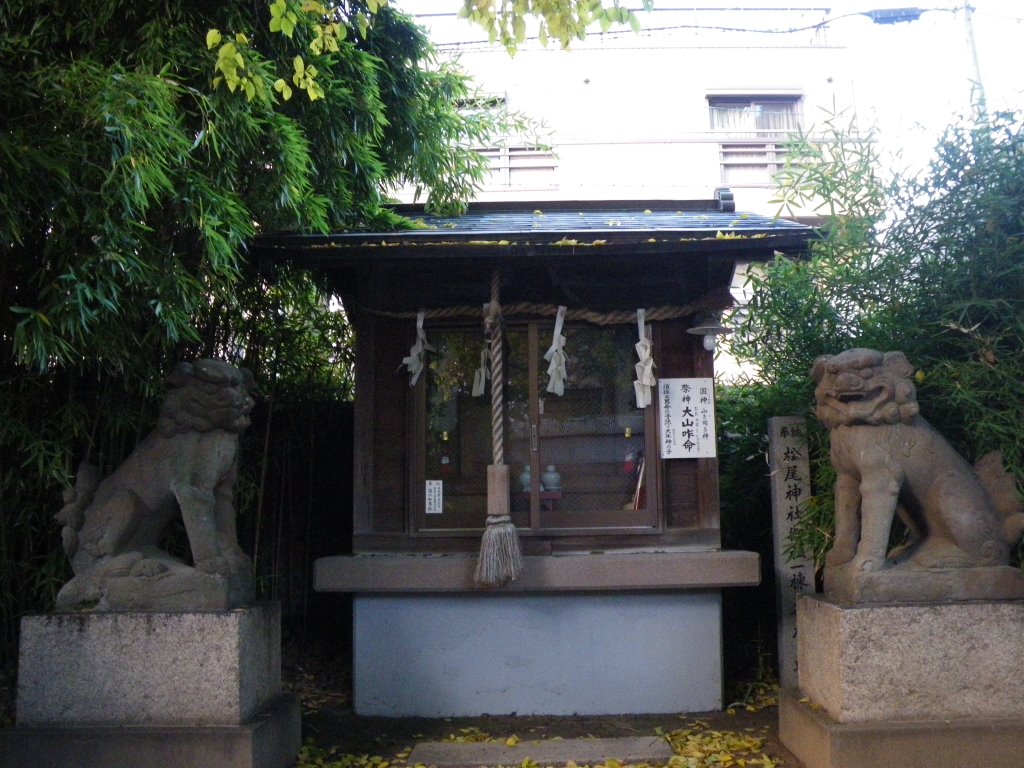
(889, 460)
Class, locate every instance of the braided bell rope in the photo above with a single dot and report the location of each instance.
(493, 327)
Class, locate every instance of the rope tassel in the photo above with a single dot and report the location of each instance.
(500, 560)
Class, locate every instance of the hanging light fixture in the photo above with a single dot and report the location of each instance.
(709, 326)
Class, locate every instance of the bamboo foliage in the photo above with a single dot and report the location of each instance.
(930, 263)
(130, 184)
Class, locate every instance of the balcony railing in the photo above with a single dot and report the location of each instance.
(746, 164)
(520, 166)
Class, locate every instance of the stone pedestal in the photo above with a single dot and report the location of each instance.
(916, 685)
(170, 689)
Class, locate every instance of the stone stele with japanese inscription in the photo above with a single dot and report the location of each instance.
(889, 461)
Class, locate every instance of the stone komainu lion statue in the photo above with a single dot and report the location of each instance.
(889, 461)
(187, 466)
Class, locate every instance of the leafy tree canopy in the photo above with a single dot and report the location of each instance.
(142, 144)
(931, 264)
(561, 20)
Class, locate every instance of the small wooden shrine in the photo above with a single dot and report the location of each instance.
(600, 416)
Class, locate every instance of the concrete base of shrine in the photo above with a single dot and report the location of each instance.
(560, 654)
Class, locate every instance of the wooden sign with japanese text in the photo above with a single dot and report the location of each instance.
(687, 418)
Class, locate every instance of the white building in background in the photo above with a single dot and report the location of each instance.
(704, 96)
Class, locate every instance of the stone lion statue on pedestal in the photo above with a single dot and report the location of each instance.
(889, 461)
(187, 467)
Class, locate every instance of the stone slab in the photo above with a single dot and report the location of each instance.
(175, 669)
(179, 589)
(904, 585)
(549, 752)
(790, 477)
(865, 663)
(270, 740)
(664, 569)
(596, 654)
(819, 741)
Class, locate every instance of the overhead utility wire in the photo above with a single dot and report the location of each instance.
(712, 27)
(664, 9)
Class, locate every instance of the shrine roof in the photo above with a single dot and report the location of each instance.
(532, 229)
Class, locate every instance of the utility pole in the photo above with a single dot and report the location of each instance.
(977, 88)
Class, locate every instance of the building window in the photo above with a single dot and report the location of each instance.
(577, 461)
(753, 132)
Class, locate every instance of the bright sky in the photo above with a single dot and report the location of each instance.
(912, 77)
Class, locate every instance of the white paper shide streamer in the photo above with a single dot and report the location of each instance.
(556, 357)
(483, 373)
(417, 358)
(645, 368)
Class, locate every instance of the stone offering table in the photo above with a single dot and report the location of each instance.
(175, 690)
(918, 685)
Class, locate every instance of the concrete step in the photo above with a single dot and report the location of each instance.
(550, 752)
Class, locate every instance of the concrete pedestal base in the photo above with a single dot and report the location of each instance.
(168, 689)
(819, 741)
(919, 686)
(270, 740)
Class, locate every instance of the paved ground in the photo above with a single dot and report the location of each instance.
(321, 675)
(338, 727)
(547, 752)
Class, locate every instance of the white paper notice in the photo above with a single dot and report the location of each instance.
(687, 418)
(435, 497)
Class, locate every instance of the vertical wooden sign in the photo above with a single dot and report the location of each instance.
(687, 418)
(791, 485)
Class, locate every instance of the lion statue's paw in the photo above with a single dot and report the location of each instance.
(839, 556)
(238, 561)
(80, 591)
(867, 564)
(119, 565)
(148, 567)
(217, 564)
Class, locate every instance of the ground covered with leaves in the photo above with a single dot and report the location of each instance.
(744, 735)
